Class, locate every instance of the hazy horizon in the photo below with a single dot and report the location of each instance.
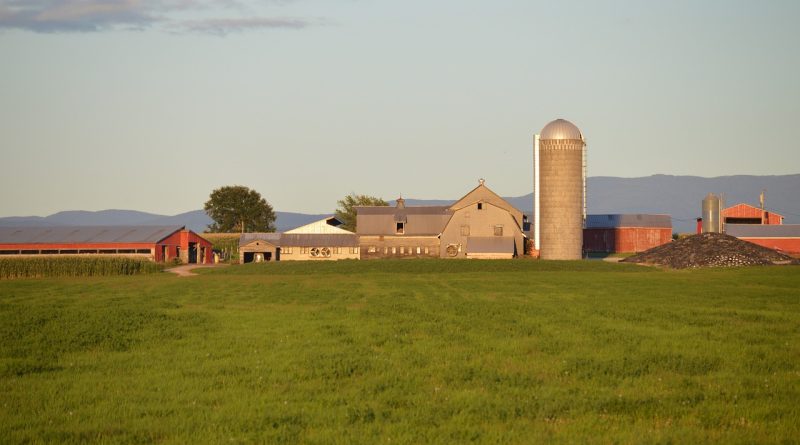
(149, 105)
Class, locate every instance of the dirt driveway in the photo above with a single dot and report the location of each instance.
(186, 269)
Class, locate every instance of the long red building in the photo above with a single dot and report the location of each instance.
(784, 238)
(157, 243)
(626, 233)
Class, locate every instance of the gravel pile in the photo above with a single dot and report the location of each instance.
(710, 250)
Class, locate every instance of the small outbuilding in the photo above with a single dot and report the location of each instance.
(156, 243)
(320, 240)
(626, 233)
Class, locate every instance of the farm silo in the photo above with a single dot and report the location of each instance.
(711, 214)
(559, 191)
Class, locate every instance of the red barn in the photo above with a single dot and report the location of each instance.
(747, 214)
(157, 243)
(626, 233)
(784, 238)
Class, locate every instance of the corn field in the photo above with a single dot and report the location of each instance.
(74, 267)
(227, 244)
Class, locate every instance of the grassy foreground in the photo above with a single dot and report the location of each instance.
(404, 352)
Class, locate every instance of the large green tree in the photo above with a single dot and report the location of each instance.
(236, 208)
(346, 213)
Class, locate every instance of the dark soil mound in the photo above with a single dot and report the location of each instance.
(710, 250)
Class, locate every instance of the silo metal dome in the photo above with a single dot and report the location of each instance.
(561, 129)
(559, 191)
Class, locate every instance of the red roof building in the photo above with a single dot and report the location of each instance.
(784, 238)
(156, 243)
(747, 214)
(626, 233)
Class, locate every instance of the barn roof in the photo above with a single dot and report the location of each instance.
(411, 210)
(86, 234)
(420, 220)
(302, 239)
(613, 221)
(270, 237)
(763, 230)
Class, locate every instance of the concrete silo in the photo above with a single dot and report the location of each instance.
(559, 191)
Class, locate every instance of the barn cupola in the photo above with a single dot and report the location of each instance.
(401, 203)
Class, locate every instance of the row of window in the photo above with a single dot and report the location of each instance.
(74, 251)
(498, 230)
(307, 250)
(402, 249)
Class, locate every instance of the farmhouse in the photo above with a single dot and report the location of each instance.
(479, 225)
(626, 233)
(157, 243)
(320, 240)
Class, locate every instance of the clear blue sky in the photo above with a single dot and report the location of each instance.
(149, 105)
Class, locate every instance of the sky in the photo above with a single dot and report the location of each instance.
(152, 104)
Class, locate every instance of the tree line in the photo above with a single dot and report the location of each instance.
(239, 209)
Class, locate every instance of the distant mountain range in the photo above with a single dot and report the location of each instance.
(678, 196)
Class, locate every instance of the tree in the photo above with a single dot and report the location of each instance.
(236, 208)
(346, 213)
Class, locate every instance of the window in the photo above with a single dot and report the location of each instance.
(426, 251)
(465, 230)
(371, 249)
(285, 250)
(304, 250)
(418, 250)
(394, 250)
(337, 250)
(498, 230)
(385, 250)
(402, 250)
(354, 250)
(401, 228)
(480, 206)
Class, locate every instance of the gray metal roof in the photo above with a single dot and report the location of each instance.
(419, 220)
(318, 240)
(302, 239)
(763, 231)
(490, 244)
(560, 129)
(628, 220)
(85, 234)
(413, 210)
(270, 237)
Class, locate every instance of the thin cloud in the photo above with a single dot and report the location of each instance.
(57, 16)
(73, 16)
(227, 26)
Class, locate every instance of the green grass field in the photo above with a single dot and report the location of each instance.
(404, 352)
